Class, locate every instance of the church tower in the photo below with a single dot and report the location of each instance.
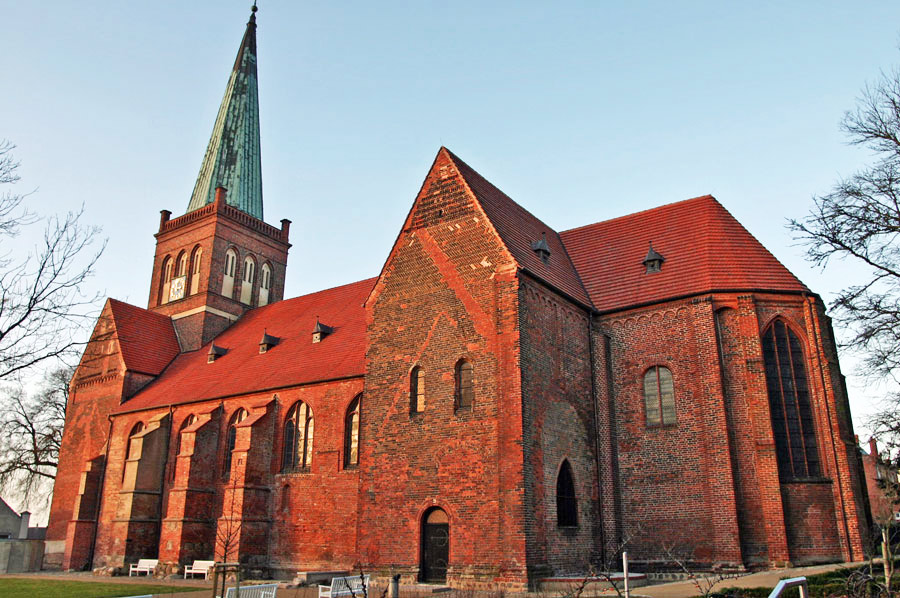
(220, 258)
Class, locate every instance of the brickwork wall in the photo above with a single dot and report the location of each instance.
(558, 423)
(447, 292)
(809, 512)
(675, 481)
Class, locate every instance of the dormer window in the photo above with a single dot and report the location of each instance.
(653, 261)
(215, 353)
(321, 331)
(268, 341)
(541, 248)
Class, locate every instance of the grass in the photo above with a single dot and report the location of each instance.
(51, 588)
(821, 585)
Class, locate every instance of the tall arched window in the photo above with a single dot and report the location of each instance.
(789, 403)
(265, 283)
(182, 265)
(417, 390)
(228, 277)
(351, 434)
(135, 430)
(167, 271)
(230, 440)
(659, 396)
(249, 275)
(299, 427)
(196, 258)
(465, 384)
(566, 502)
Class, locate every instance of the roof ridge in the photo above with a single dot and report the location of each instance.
(698, 198)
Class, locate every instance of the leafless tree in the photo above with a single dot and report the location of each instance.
(706, 582)
(30, 434)
(42, 302)
(228, 532)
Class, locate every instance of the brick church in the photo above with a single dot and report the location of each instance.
(502, 402)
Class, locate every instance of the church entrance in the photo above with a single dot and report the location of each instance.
(435, 546)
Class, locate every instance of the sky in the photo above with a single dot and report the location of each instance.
(580, 111)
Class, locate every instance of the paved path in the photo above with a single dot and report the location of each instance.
(763, 579)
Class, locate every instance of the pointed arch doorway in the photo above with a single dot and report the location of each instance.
(435, 549)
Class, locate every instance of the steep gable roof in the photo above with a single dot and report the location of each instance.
(294, 360)
(705, 249)
(518, 229)
(146, 339)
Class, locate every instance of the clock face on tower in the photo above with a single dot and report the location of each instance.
(176, 290)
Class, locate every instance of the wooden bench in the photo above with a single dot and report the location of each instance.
(199, 568)
(143, 566)
(355, 585)
(265, 590)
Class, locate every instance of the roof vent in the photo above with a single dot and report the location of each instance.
(321, 331)
(541, 248)
(215, 353)
(268, 341)
(653, 261)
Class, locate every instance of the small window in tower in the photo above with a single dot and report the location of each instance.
(417, 390)
(228, 275)
(465, 384)
(167, 271)
(249, 277)
(195, 270)
(264, 284)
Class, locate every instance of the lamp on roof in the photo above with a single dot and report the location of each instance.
(320, 331)
(653, 261)
(267, 342)
(541, 248)
(215, 353)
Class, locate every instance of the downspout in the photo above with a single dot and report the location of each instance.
(97, 509)
(813, 319)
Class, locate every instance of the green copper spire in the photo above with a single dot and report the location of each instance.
(232, 158)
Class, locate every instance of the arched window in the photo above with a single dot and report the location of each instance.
(230, 440)
(659, 396)
(566, 503)
(228, 277)
(299, 427)
(182, 265)
(137, 429)
(195, 270)
(351, 434)
(249, 275)
(265, 283)
(465, 384)
(417, 390)
(789, 403)
(167, 271)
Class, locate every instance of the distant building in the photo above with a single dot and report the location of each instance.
(878, 470)
(502, 402)
(14, 526)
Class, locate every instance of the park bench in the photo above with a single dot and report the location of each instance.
(143, 566)
(265, 590)
(199, 568)
(355, 585)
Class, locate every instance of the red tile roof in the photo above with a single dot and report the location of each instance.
(147, 339)
(518, 229)
(294, 360)
(704, 246)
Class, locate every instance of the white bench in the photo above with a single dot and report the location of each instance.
(199, 568)
(265, 590)
(143, 566)
(355, 585)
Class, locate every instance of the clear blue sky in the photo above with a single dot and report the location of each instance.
(581, 111)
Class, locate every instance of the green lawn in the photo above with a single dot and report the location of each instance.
(51, 588)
